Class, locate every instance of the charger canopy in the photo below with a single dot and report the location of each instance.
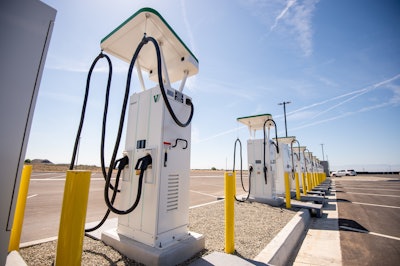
(256, 122)
(122, 43)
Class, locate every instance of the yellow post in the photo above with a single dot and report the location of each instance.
(313, 180)
(20, 209)
(309, 177)
(72, 221)
(230, 187)
(296, 176)
(304, 179)
(287, 189)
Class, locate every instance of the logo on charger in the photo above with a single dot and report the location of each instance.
(156, 97)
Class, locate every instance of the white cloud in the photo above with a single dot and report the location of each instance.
(396, 94)
(289, 4)
(187, 26)
(299, 23)
(292, 18)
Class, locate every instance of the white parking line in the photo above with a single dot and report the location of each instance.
(367, 232)
(370, 194)
(57, 176)
(204, 204)
(385, 189)
(376, 205)
(39, 174)
(48, 179)
(63, 179)
(206, 194)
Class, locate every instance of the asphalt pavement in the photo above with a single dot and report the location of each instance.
(369, 219)
(44, 202)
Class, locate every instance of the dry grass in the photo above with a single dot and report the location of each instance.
(47, 167)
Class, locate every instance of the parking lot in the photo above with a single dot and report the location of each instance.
(368, 206)
(43, 207)
(369, 219)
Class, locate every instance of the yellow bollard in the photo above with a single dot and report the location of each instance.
(72, 221)
(313, 180)
(287, 190)
(303, 177)
(20, 209)
(296, 176)
(309, 179)
(230, 187)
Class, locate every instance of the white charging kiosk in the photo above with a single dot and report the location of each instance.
(156, 232)
(261, 156)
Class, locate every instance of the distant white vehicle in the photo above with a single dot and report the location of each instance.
(349, 172)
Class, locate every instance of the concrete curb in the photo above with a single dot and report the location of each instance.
(15, 259)
(279, 250)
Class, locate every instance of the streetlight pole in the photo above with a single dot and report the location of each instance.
(284, 113)
(323, 156)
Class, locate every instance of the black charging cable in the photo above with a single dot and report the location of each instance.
(241, 169)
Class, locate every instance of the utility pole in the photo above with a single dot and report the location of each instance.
(284, 113)
(323, 156)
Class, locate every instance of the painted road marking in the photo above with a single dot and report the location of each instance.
(38, 174)
(57, 176)
(385, 189)
(367, 232)
(63, 179)
(205, 194)
(205, 204)
(377, 205)
(370, 194)
(31, 196)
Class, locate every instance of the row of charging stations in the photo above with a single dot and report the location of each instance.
(270, 159)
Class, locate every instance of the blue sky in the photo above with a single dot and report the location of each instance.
(337, 61)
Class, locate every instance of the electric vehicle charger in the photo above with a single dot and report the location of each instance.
(261, 155)
(143, 162)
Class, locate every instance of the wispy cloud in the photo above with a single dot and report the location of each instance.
(385, 83)
(83, 65)
(221, 134)
(187, 26)
(361, 110)
(362, 92)
(301, 112)
(301, 24)
(289, 4)
(291, 18)
(396, 93)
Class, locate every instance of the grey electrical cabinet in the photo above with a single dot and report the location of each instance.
(25, 30)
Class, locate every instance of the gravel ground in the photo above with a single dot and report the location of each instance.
(255, 226)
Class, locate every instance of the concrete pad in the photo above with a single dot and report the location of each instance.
(314, 198)
(274, 202)
(108, 224)
(176, 253)
(321, 245)
(315, 192)
(15, 259)
(223, 259)
(279, 250)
